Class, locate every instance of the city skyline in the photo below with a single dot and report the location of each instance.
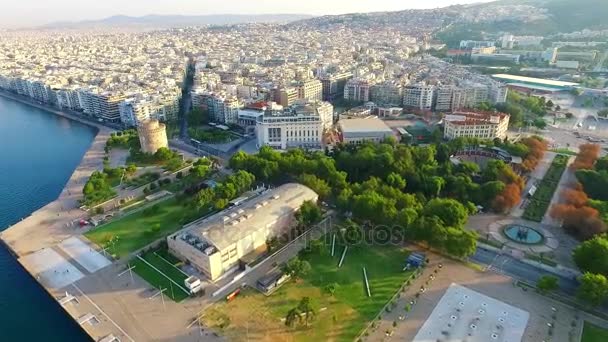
(28, 13)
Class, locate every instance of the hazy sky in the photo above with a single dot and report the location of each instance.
(19, 13)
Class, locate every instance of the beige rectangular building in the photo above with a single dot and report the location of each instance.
(476, 125)
(216, 244)
(357, 131)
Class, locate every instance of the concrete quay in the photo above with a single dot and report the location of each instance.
(107, 302)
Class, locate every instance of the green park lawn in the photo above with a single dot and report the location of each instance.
(212, 135)
(565, 151)
(340, 317)
(174, 290)
(535, 211)
(143, 227)
(593, 333)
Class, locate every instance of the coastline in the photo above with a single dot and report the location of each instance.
(53, 110)
(120, 307)
(24, 230)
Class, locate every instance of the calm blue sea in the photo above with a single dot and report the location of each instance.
(38, 153)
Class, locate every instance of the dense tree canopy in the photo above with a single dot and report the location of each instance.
(97, 188)
(547, 283)
(230, 188)
(449, 211)
(592, 255)
(390, 184)
(308, 214)
(593, 289)
(586, 157)
(594, 182)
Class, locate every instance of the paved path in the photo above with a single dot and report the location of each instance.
(48, 225)
(122, 306)
(535, 176)
(566, 181)
(494, 284)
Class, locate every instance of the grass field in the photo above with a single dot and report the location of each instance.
(159, 280)
(535, 211)
(592, 333)
(143, 227)
(345, 314)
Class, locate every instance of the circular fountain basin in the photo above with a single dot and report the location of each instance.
(524, 235)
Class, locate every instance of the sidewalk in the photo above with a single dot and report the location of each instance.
(384, 328)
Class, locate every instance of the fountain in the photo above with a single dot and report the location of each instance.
(524, 235)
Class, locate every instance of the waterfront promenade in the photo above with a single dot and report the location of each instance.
(105, 301)
(47, 225)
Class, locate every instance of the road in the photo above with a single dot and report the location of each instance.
(519, 270)
(186, 101)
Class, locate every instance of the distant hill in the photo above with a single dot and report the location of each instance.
(574, 15)
(526, 17)
(539, 17)
(166, 21)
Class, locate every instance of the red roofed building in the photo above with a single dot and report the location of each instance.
(259, 105)
(476, 124)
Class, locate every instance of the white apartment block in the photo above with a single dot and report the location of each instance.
(387, 93)
(444, 101)
(101, 105)
(132, 112)
(310, 90)
(475, 95)
(476, 125)
(224, 109)
(450, 98)
(357, 89)
(498, 93)
(68, 99)
(287, 96)
(418, 96)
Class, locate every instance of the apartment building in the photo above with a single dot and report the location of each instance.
(68, 99)
(102, 105)
(224, 109)
(498, 92)
(333, 85)
(418, 96)
(444, 98)
(473, 124)
(287, 96)
(450, 97)
(389, 93)
(133, 111)
(357, 89)
(310, 90)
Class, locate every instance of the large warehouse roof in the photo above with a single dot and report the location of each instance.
(514, 78)
(355, 127)
(231, 225)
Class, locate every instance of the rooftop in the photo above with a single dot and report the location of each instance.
(466, 315)
(475, 118)
(232, 225)
(513, 78)
(363, 125)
